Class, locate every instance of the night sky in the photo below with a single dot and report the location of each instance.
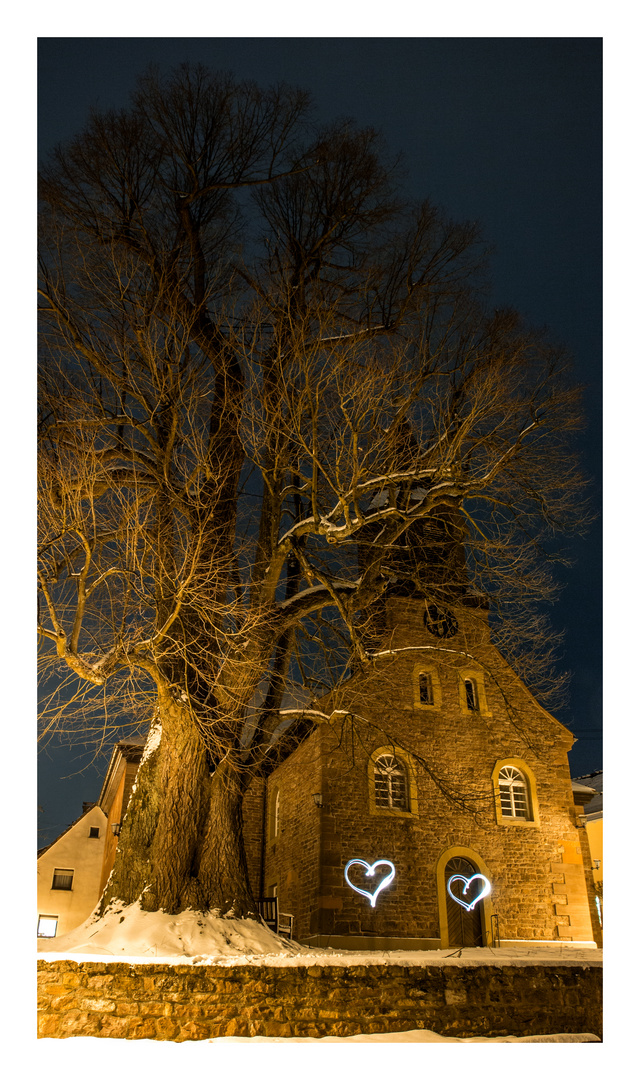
(502, 131)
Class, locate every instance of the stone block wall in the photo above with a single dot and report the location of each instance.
(181, 1002)
(292, 857)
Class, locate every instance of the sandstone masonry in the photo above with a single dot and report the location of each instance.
(183, 1002)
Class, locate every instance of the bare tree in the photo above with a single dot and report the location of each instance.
(261, 372)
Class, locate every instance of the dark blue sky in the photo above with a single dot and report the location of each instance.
(503, 131)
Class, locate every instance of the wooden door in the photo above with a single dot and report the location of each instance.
(465, 927)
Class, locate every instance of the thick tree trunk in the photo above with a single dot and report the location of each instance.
(181, 843)
(222, 867)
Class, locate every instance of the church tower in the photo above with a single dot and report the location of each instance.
(427, 562)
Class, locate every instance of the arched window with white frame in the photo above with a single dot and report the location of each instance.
(391, 783)
(514, 793)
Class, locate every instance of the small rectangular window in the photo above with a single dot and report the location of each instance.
(47, 925)
(62, 879)
(94, 832)
(472, 694)
(426, 688)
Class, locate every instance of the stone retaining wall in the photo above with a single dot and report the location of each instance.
(182, 1002)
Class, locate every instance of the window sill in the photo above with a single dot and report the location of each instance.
(379, 811)
(520, 823)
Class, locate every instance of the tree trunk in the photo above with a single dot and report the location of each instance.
(181, 843)
(222, 868)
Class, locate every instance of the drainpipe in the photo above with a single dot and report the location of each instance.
(263, 839)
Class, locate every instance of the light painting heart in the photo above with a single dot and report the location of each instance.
(370, 871)
(486, 889)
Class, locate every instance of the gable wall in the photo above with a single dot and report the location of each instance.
(74, 850)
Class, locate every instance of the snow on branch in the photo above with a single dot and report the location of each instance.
(326, 524)
(314, 590)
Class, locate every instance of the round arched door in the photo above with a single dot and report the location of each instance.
(465, 927)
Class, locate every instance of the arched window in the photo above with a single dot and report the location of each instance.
(471, 694)
(425, 682)
(427, 693)
(473, 698)
(514, 793)
(390, 780)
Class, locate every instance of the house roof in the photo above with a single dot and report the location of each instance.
(89, 808)
(580, 788)
(124, 751)
(594, 782)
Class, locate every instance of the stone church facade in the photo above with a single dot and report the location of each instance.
(436, 759)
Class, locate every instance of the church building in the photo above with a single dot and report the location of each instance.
(430, 806)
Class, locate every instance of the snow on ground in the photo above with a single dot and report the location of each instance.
(129, 934)
(416, 1036)
(393, 1037)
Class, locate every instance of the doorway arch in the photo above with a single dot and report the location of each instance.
(460, 928)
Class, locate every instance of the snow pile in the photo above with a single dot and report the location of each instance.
(127, 931)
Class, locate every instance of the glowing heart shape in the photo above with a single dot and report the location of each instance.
(370, 871)
(486, 889)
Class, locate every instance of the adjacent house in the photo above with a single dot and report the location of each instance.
(69, 872)
(114, 797)
(73, 870)
(591, 819)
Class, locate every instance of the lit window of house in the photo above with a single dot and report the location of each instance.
(47, 925)
(391, 788)
(62, 879)
(514, 794)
